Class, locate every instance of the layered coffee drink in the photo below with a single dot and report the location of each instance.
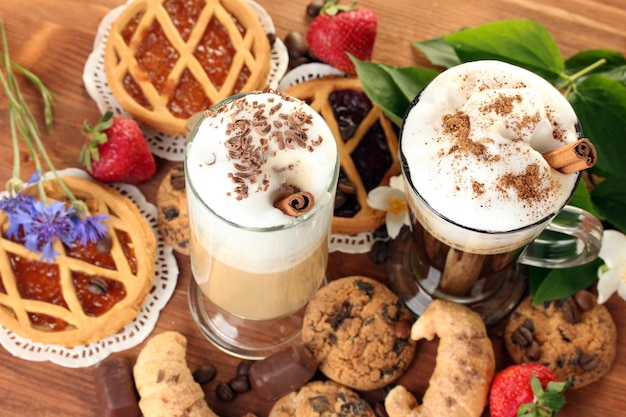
(251, 258)
(478, 186)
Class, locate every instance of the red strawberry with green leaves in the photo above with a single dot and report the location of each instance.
(117, 151)
(529, 389)
(341, 30)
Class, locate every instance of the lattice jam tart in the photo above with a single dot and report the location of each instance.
(89, 292)
(368, 148)
(167, 59)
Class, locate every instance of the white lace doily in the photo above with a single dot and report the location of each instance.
(165, 146)
(361, 243)
(166, 275)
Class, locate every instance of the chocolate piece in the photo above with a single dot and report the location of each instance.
(282, 372)
(115, 388)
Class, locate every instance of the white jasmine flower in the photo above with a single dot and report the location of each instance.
(612, 275)
(391, 199)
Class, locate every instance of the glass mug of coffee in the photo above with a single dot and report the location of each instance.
(261, 171)
(491, 154)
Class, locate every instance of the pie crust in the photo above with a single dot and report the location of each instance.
(317, 93)
(166, 60)
(63, 308)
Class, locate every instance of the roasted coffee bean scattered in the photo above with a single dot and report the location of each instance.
(346, 186)
(522, 336)
(204, 374)
(98, 286)
(224, 392)
(569, 308)
(240, 384)
(313, 8)
(243, 369)
(585, 301)
(379, 410)
(271, 38)
(104, 245)
(296, 45)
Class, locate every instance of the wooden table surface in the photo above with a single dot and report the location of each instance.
(54, 38)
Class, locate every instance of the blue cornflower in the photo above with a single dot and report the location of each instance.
(89, 228)
(43, 224)
(12, 205)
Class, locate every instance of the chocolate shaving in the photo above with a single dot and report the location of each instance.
(296, 204)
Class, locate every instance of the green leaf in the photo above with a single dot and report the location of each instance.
(600, 104)
(609, 197)
(525, 43)
(392, 88)
(554, 284)
(583, 59)
(439, 52)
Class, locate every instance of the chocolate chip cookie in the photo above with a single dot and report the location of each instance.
(321, 398)
(575, 337)
(359, 332)
(172, 205)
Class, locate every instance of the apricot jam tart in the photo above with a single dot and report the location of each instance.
(90, 291)
(166, 60)
(368, 148)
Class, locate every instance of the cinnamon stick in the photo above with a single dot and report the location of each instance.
(572, 157)
(296, 204)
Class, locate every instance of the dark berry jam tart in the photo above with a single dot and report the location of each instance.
(89, 291)
(368, 148)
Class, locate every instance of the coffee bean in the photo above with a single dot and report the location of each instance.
(584, 299)
(224, 392)
(104, 245)
(271, 38)
(589, 361)
(378, 252)
(533, 352)
(379, 410)
(313, 8)
(522, 336)
(98, 286)
(569, 308)
(240, 384)
(243, 369)
(346, 187)
(205, 373)
(296, 45)
(402, 329)
(177, 179)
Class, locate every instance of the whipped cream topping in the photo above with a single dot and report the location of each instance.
(473, 141)
(249, 152)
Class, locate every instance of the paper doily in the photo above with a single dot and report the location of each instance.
(168, 147)
(136, 331)
(361, 243)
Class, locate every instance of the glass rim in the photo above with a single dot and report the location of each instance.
(296, 221)
(407, 175)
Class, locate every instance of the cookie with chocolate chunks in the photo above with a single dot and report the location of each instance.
(173, 219)
(359, 332)
(575, 337)
(321, 398)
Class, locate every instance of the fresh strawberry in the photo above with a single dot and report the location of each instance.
(117, 151)
(339, 30)
(526, 390)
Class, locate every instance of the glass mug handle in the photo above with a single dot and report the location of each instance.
(572, 238)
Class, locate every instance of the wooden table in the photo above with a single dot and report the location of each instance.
(54, 38)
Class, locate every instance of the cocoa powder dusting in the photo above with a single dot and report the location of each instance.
(528, 185)
(502, 105)
(458, 126)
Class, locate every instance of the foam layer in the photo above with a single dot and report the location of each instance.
(251, 151)
(473, 144)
